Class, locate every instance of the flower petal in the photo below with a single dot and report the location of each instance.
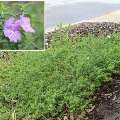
(11, 30)
(16, 26)
(28, 28)
(6, 32)
(25, 23)
(14, 36)
(9, 22)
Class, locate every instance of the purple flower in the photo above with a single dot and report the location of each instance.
(25, 23)
(11, 30)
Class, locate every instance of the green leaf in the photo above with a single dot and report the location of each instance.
(19, 5)
(7, 13)
(1, 5)
(5, 8)
(29, 3)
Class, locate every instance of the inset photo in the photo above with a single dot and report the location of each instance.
(21, 25)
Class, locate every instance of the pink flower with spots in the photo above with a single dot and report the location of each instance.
(11, 30)
(25, 24)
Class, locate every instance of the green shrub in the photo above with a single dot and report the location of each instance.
(65, 76)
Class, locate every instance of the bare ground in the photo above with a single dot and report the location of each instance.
(107, 104)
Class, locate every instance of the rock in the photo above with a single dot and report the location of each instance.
(86, 28)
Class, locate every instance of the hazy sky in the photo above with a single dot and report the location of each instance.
(52, 3)
(106, 1)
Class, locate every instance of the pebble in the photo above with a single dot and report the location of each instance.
(86, 28)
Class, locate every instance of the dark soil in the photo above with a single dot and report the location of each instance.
(107, 104)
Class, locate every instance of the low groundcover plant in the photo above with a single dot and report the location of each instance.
(60, 80)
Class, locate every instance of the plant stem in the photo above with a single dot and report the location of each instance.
(33, 44)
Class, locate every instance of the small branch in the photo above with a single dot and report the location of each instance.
(33, 44)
